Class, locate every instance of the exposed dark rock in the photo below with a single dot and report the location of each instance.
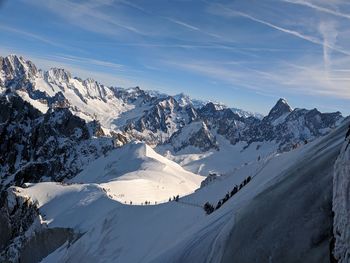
(35, 145)
(22, 236)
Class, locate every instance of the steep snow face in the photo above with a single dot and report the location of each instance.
(291, 220)
(136, 173)
(341, 204)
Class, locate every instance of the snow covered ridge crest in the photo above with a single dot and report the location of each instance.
(341, 203)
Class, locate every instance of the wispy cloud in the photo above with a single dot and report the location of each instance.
(91, 61)
(318, 8)
(329, 34)
(266, 48)
(88, 15)
(30, 35)
(282, 78)
(178, 22)
(226, 11)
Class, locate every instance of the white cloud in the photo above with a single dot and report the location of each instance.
(329, 33)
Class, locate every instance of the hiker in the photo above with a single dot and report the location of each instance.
(218, 205)
(208, 208)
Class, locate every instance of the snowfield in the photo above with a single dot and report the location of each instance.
(136, 173)
(226, 160)
(181, 231)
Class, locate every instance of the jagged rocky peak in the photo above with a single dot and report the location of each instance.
(169, 103)
(95, 89)
(89, 82)
(194, 134)
(14, 67)
(183, 99)
(209, 108)
(58, 75)
(135, 91)
(281, 108)
(218, 111)
(131, 95)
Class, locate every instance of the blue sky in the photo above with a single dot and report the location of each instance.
(244, 53)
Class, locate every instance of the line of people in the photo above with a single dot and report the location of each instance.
(175, 198)
(209, 208)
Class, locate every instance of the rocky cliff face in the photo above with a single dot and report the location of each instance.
(51, 146)
(341, 204)
(194, 134)
(17, 215)
(16, 71)
(24, 237)
(161, 121)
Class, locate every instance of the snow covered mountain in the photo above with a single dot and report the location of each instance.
(86, 173)
(198, 136)
(288, 196)
(154, 117)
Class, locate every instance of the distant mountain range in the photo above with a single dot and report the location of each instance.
(45, 99)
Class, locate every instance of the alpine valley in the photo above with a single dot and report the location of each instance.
(93, 173)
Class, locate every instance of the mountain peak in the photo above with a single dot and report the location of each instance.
(59, 74)
(16, 66)
(282, 101)
(281, 108)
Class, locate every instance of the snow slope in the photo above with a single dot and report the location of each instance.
(180, 231)
(225, 160)
(341, 203)
(137, 173)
